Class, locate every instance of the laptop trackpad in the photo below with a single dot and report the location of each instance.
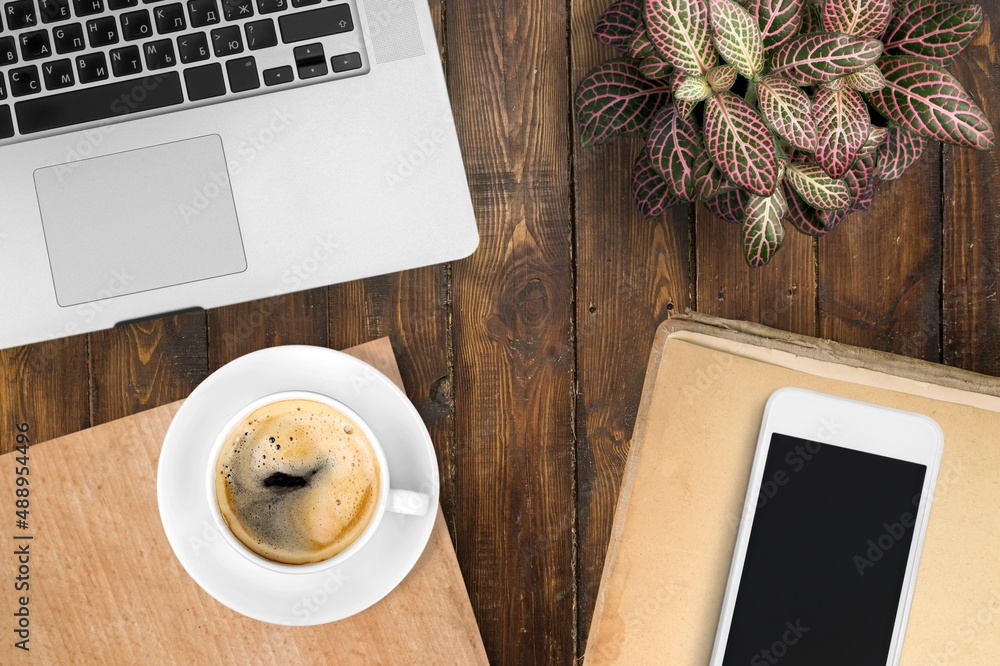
(139, 220)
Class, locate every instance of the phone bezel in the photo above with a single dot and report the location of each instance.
(853, 425)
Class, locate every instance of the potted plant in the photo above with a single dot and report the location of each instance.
(779, 111)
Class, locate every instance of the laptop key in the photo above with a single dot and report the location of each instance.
(279, 75)
(227, 41)
(35, 45)
(271, 6)
(92, 67)
(136, 25)
(98, 102)
(315, 23)
(237, 9)
(305, 3)
(126, 61)
(115, 5)
(8, 52)
(3, 87)
(193, 47)
(52, 11)
(58, 74)
(6, 123)
(243, 74)
(159, 54)
(88, 7)
(204, 82)
(203, 12)
(260, 34)
(24, 81)
(346, 62)
(102, 31)
(20, 14)
(68, 38)
(170, 18)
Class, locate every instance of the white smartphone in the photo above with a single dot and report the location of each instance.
(829, 542)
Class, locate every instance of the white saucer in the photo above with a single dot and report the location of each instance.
(295, 599)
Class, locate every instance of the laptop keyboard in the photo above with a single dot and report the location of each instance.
(67, 63)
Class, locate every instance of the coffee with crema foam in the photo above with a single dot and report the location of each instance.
(297, 481)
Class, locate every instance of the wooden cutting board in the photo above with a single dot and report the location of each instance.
(106, 587)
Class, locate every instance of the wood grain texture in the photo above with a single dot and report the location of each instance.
(146, 364)
(880, 270)
(293, 319)
(971, 271)
(512, 328)
(412, 310)
(781, 294)
(631, 274)
(46, 388)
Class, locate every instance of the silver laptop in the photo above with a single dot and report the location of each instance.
(158, 156)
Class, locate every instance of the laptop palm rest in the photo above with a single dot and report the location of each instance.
(139, 220)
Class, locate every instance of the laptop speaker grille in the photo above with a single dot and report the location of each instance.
(393, 27)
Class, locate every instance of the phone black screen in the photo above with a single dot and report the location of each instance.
(826, 557)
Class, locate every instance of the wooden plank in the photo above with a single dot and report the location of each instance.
(146, 364)
(412, 310)
(293, 319)
(513, 328)
(44, 388)
(971, 309)
(880, 270)
(781, 294)
(631, 273)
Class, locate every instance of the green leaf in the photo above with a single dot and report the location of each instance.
(842, 126)
(679, 31)
(618, 22)
(692, 88)
(721, 78)
(860, 180)
(729, 205)
(930, 101)
(762, 230)
(737, 37)
(864, 18)
(933, 30)
(639, 45)
(615, 98)
(649, 191)
(816, 187)
(876, 135)
(816, 58)
(866, 80)
(900, 149)
(708, 178)
(788, 111)
(673, 145)
(801, 216)
(777, 19)
(654, 67)
(811, 19)
(684, 108)
(740, 143)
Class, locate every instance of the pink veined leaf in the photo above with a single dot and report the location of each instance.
(684, 108)
(679, 31)
(927, 99)
(777, 19)
(900, 149)
(842, 126)
(934, 30)
(762, 230)
(812, 21)
(615, 98)
(875, 138)
(649, 191)
(788, 111)
(729, 205)
(618, 22)
(860, 179)
(654, 68)
(737, 37)
(740, 143)
(866, 80)
(639, 45)
(864, 18)
(708, 178)
(673, 145)
(817, 188)
(801, 216)
(692, 88)
(721, 78)
(816, 58)
(831, 218)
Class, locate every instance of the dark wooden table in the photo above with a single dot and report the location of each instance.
(526, 360)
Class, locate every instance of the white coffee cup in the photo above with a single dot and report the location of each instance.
(390, 499)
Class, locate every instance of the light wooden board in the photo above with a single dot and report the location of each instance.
(106, 587)
(685, 482)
